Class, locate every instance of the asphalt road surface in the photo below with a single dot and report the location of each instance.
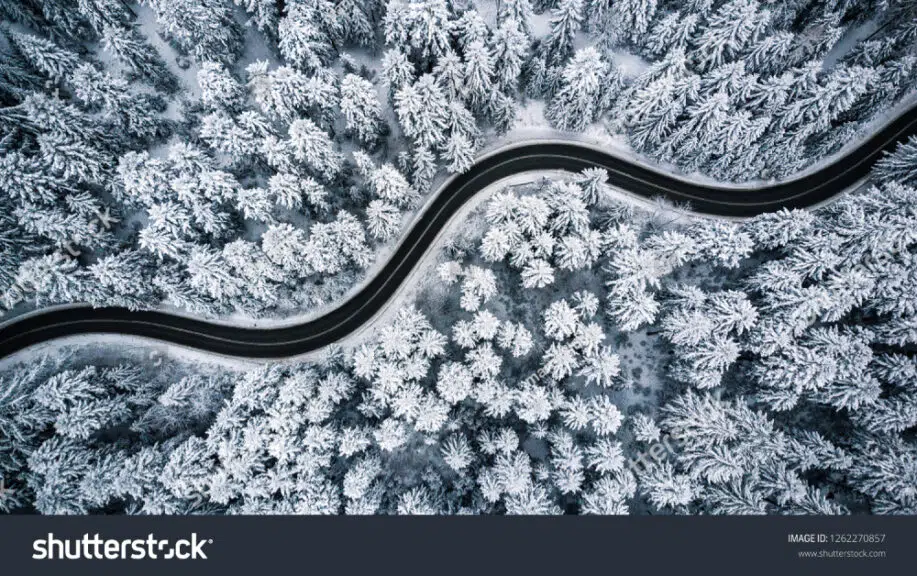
(282, 342)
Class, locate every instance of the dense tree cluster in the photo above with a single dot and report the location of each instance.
(447, 70)
(252, 206)
(747, 89)
(790, 388)
(95, 437)
(326, 438)
(65, 121)
(737, 90)
(289, 153)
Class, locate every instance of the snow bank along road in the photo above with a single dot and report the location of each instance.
(809, 190)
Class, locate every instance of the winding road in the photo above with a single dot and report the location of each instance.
(810, 189)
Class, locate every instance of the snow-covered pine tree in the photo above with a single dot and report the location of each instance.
(131, 48)
(302, 41)
(44, 55)
(361, 108)
(586, 91)
(205, 29)
(566, 20)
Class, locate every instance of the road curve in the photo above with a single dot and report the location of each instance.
(283, 342)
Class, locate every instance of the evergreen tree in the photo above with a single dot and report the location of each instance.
(361, 108)
(566, 21)
(423, 25)
(302, 41)
(510, 48)
(518, 10)
(901, 165)
(130, 47)
(629, 19)
(203, 28)
(672, 32)
(102, 13)
(479, 72)
(421, 111)
(311, 146)
(729, 32)
(582, 96)
(44, 55)
(219, 89)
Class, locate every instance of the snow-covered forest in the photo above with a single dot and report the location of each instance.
(253, 160)
(571, 352)
(580, 356)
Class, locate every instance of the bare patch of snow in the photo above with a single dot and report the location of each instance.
(187, 77)
(847, 42)
(145, 351)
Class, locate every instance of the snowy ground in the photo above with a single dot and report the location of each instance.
(847, 42)
(187, 76)
(101, 348)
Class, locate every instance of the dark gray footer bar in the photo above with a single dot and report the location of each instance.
(460, 545)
